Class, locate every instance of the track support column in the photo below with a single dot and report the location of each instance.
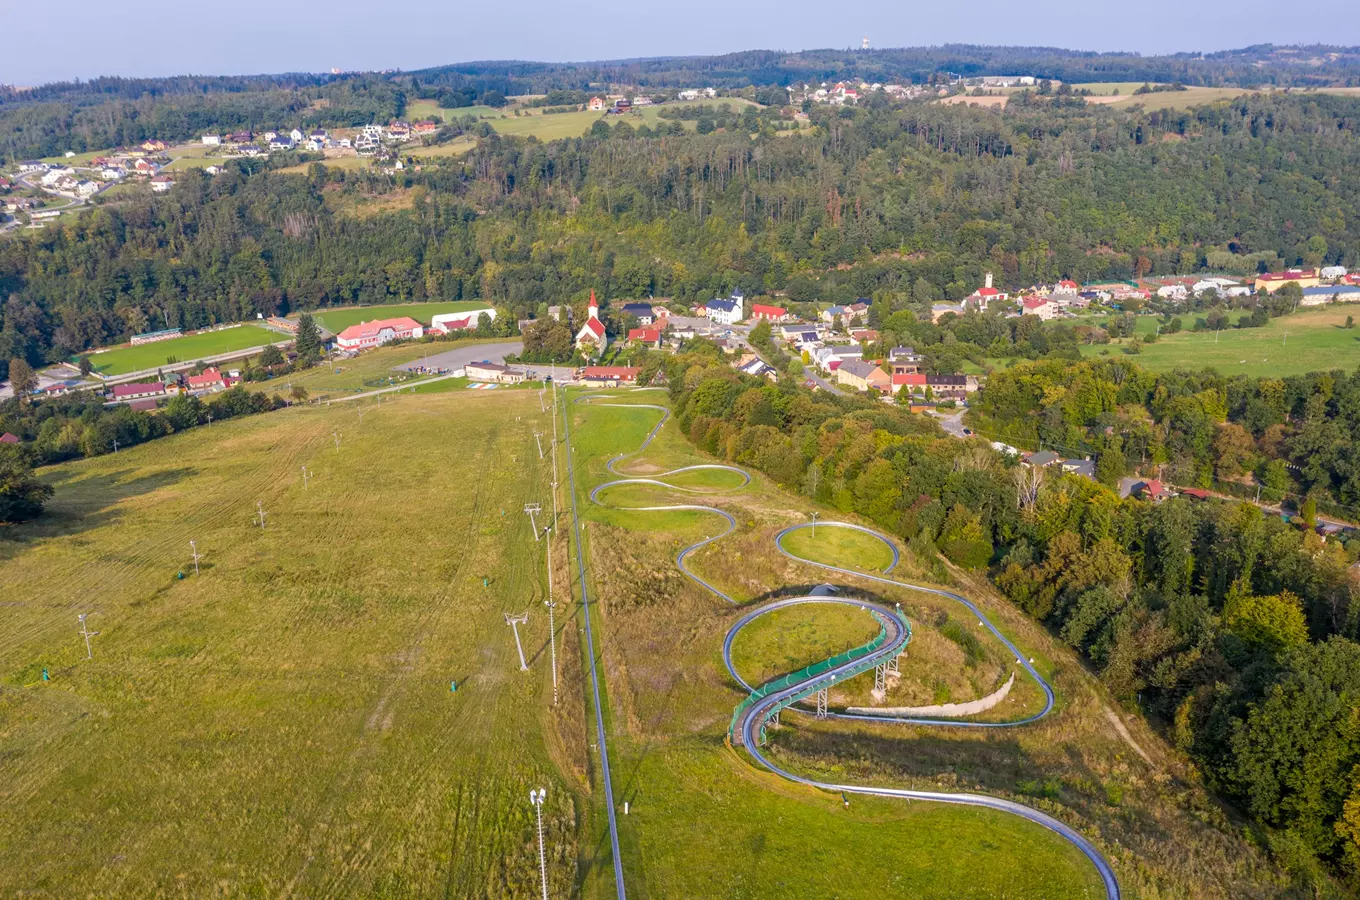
(821, 704)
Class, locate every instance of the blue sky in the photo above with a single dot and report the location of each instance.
(253, 36)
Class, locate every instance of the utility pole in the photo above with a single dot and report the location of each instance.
(305, 475)
(552, 622)
(538, 439)
(87, 634)
(336, 436)
(814, 525)
(361, 415)
(554, 452)
(115, 445)
(514, 622)
(536, 798)
(533, 509)
(259, 509)
(193, 546)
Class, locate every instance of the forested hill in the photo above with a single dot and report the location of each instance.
(914, 203)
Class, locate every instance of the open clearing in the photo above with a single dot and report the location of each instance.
(183, 349)
(839, 547)
(1316, 339)
(282, 724)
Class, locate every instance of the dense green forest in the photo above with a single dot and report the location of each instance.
(1235, 630)
(916, 202)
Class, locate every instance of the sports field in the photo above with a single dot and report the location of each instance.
(282, 723)
(337, 320)
(1306, 341)
(183, 349)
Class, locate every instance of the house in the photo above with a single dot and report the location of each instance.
(1082, 468)
(8, 438)
(1153, 490)
(864, 335)
(399, 131)
(641, 311)
(137, 391)
(803, 336)
(446, 323)
(830, 358)
(642, 101)
(687, 95)
(87, 188)
(939, 310)
(378, 332)
(493, 373)
(857, 311)
(214, 170)
(297, 136)
(281, 142)
(951, 387)
(210, 382)
(145, 167)
(154, 146)
(112, 174)
(622, 105)
(1328, 293)
(162, 183)
(1042, 459)
(913, 382)
(31, 165)
(833, 313)
(560, 313)
(212, 140)
(981, 298)
(319, 134)
(592, 338)
(863, 376)
(904, 361)
(596, 104)
(649, 336)
(1271, 282)
(760, 311)
(1042, 307)
(240, 137)
(726, 312)
(754, 365)
(609, 376)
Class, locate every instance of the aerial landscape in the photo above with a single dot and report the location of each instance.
(928, 467)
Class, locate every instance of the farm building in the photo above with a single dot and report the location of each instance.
(141, 390)
(770, 313)
(378, 332)
(444, 323)
(493, 373)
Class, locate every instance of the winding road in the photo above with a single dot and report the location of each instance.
(766, 701)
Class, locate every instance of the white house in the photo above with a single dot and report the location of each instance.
(297, 136)
(444, 323)
(1333, 272)
(87, 188)
(726, 312)
(212, 140)
(1172, 292)
(687, 95)
(592, 339)
(112, 173)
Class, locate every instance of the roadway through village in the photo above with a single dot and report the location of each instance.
(765, 702)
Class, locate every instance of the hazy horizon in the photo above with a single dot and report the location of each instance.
(260, 37)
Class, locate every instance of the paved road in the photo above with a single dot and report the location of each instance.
(752, 719)
(464, 354)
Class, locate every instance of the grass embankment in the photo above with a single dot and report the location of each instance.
(1306, 341)
(283, 722)
(189, 348)
(703, 820)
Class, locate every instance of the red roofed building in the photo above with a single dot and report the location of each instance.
(984, 296)
(1154, 490)
(608, 376)
(211, 380)
(1271, 282)
(592, 339)
(378, 332)
(770, 313)
(650, 336)
(1042, 307)
(140, 390)
(915, 383)
(1068, 286)
(8, 438)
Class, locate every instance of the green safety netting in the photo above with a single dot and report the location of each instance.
(808, 673)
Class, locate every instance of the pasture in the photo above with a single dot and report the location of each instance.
(1306, 341)
(122, 360)
(282, 722)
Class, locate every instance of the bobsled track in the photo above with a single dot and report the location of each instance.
(764, 703)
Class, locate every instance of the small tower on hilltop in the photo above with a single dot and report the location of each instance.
(864, 44)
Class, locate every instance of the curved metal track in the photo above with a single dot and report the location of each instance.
(750, 723)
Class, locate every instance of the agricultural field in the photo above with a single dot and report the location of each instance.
(123, 360)
(340, 318)
(282, 722)
(1302, 342)
(705, 822)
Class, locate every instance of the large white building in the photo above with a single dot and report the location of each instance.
(726, 312)
(378, 332)
(456, 321)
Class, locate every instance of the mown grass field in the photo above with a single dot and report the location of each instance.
(839, 547)
(788, 639)
(122, 360)
(337, 320)
(704, 822)
(1306, 341)
(282, 723)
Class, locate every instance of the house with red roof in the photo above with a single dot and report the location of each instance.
(1042, 307)
(592, 338)
(770, 313)
(649, 336)
(211, 381)
(1271, 282)
(138, 390)
(984, 296)
(378, 332)
(1154, 490)
(8, 438)
(609, 376)
(914, 382)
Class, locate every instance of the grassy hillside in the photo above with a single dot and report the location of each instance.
(704, 822)
(282, 723)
